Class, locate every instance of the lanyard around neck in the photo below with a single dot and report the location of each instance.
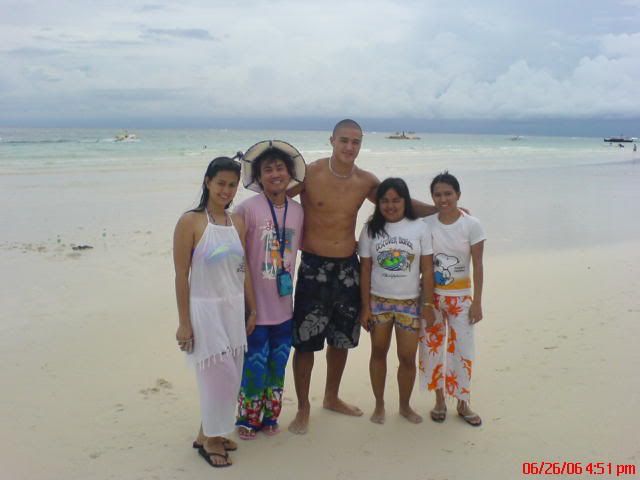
(281, 238)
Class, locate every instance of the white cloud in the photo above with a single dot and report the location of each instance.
(381, 58)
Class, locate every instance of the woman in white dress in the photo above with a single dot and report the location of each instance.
(212, 290)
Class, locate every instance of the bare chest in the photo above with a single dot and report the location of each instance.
(339, 197)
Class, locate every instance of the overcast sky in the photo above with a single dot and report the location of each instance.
(67, 61)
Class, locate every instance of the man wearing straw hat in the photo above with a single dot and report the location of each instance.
(327, 298)
(274, 228)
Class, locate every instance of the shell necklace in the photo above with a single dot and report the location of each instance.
(339, 175)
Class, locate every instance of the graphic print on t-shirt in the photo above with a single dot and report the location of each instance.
(272, 250)
(393, 258)
(444, 268)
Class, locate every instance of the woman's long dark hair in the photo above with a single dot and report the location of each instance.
(219, 164)
(376, 223)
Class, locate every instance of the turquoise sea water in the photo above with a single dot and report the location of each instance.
(535, 193)
(29, 150)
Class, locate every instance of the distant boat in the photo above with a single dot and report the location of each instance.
(515, 138)
(620, 139)
(402, 136)
(126, 137)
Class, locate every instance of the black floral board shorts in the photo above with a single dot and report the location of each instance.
(327, 303)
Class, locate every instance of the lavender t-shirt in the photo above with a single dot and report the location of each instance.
(262, 254)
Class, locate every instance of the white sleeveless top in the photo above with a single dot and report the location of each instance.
(216, 295)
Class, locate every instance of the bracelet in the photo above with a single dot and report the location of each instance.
(253, 312)
(427, 304)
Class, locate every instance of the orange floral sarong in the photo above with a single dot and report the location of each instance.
(447, 348)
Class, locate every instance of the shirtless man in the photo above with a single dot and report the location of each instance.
(327, 300)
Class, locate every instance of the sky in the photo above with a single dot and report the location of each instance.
(209, 62)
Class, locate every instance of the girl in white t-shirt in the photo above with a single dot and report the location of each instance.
(394, 249)
(446, 343)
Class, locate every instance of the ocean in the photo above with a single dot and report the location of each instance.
(81, 185)
(29, 150)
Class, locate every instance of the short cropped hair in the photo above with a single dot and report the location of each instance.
(347, 122)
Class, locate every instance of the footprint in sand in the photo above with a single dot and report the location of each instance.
(28, 247)
(161, 385)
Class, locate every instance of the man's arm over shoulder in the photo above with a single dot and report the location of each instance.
(373, 183)
(423, 209)
(297, 190)
(420, 208)
(311, 169)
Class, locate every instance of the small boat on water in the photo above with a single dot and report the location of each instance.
(125, 137)
(402, 136)
(620, 139)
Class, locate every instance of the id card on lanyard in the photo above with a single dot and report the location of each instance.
(284, 282)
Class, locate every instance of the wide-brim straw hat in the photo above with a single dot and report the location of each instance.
(261, 148)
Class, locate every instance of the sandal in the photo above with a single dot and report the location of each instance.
(438, 416)
(207, 457)
(246, 433)
(474, 419)
(271, 430)
(471, 417)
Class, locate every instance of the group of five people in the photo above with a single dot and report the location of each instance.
(238, 317)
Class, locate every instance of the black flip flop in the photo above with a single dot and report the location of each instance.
(207, 457)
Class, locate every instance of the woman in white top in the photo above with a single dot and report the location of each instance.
(394, 249)
(447, 343)
(211, 289)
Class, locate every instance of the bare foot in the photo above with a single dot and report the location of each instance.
(339, 406)
(378, 415)
(410, 415)
(300, 424)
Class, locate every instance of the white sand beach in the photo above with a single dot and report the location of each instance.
(94, 386)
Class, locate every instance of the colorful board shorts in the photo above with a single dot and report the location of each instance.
(262, 387)
(327, 303)
(404, 314)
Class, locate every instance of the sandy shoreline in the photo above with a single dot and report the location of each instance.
(95, 388)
